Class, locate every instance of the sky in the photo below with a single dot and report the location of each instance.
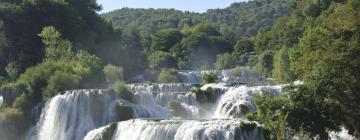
(184, 5)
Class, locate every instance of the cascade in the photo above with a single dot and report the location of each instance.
(1, 101)
(140, 129)
(168, 111)
(73, 114)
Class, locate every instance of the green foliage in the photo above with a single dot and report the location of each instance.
(272, 113)
(109, 132)
(282, 71)
(177, 109)
(167, 76)
(61, 81)
(120, 88)
(243, 47)
(265, 62)
(225, 61)
(113, 73)
(204, 96)
(165, 40)
(57, 48)
(12, 120)
(210, 78)
(160, 59)
(12, 71)
(239, 20)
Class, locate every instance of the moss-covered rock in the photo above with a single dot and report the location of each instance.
(210, 78)
(177, 109)
(248, 126)
(123, 112)
(244, 109)
(120, 89)
(10, 92)
(109, 132)
(204, 96)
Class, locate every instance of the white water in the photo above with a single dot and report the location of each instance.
(179, 130)
(1, 101)
(229, 103)
(74, 114)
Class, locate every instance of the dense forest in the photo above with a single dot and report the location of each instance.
(237, 21)
(48, 46)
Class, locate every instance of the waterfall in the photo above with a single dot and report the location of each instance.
(71, 115)
(140, 129)
(1, 101)
(232, 103)
(172, 111)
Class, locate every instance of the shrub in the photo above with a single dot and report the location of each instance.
(61, 81)
(113, 73)
(120, 88)
(167, 76)
(210, 78)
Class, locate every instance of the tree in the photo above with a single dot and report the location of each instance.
(160, 59)
(225, 61)
(282, 71)
(57, 48)
(243, 47)
(265, 62)
(165, 39)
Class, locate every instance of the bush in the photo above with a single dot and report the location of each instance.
(120, 88)
(167, 76)
(113, 73)
(210, 78)
(61, 81)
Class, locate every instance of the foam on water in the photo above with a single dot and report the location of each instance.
(140, 129)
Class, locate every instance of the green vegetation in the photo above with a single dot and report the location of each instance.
(235, 22)
(204, 96)
(120, 88)
(49, 46)
(167, 76)
(177, 109)
(210, 78)
(113, 73)
(109, 132)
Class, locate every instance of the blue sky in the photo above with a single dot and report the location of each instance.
(185, 5)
